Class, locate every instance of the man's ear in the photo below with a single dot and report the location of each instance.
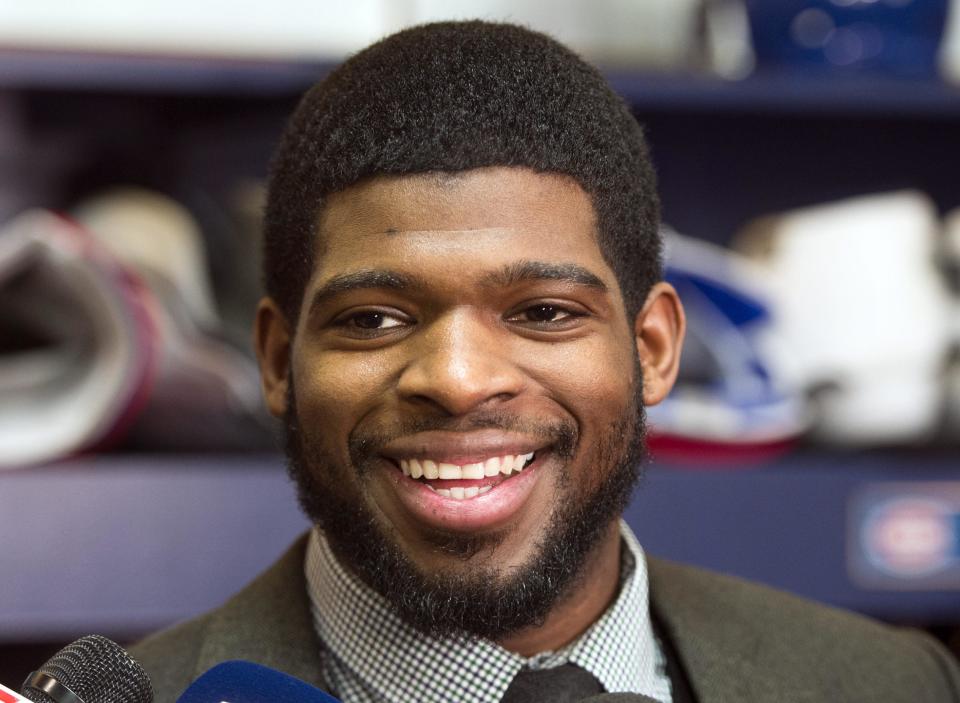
(659, 328)
(272, 340)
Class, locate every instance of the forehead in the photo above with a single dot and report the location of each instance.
(474, 216)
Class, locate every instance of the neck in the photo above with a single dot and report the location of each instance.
(580, 607)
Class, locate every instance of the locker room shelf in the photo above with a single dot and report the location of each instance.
(764, 91)
(125, 544)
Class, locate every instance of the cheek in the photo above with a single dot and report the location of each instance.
(336, 390)
(592, 379)
(594, 383)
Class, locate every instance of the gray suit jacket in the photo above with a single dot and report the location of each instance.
(737, 642)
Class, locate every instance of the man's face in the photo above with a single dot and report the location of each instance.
(464, 407)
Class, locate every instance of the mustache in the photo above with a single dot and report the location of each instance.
(364, 445)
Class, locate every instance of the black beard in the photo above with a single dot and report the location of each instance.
(477, 600)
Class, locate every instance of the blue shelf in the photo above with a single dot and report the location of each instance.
(795, 94)
(763, 93)
(156, 74)
(805, 523)
(125, 545)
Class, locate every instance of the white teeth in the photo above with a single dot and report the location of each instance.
(416, 470)
(461, 492)
(429, 469)
(450, 471)
(473, 471)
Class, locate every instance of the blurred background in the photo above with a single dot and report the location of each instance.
(806, 153)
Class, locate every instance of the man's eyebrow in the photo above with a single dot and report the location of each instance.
(509, 275)
(522, 271)
(360, 280)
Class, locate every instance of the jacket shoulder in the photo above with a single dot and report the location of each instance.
(267, 622)
(170, 657)
(792, 644)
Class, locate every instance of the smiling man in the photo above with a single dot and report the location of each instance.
(465, 320)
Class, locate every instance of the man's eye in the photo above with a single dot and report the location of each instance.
(545, 313)
(374, 321)
(370, 320)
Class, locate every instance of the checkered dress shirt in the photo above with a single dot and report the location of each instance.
(372, 656)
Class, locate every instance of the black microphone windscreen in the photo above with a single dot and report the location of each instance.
(619, 698)
(95, 669)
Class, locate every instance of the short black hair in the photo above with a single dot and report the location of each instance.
(455, 96)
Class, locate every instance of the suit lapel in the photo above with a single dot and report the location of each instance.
(718, 653)
(269, 623)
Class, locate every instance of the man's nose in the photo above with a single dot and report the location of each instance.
(459, 363)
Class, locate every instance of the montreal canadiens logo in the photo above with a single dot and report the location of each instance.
(910, 537)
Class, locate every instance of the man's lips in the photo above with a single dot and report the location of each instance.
(465, 482)
(467, 505)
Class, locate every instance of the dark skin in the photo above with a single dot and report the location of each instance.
(457, 322)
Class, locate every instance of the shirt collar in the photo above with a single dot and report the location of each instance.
(371, 654)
